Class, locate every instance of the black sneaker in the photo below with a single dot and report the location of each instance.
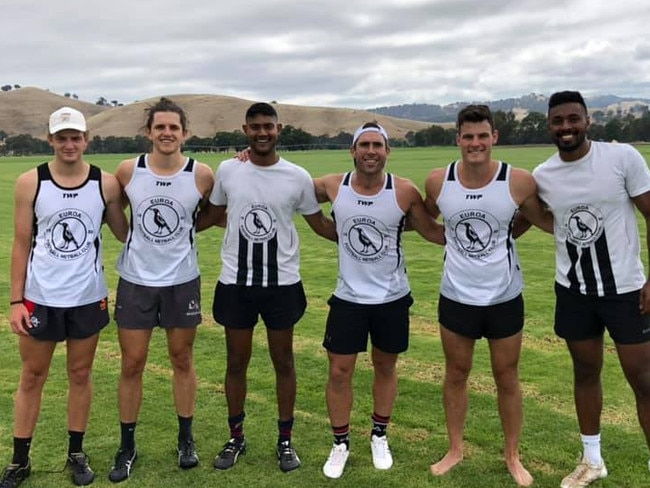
(187, 456)
(15, 474)
(82, 475)
(229, 454)
(288, 460)
(121, 469)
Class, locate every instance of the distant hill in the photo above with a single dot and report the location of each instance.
(26, 111)
(441, 114)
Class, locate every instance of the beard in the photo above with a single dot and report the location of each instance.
(569, 147)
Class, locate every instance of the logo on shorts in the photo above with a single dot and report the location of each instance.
(161, 219)
(365, 239)
(258, 223)
(193, 307)
(474, 233)
(583, 225)
(69, 234)
(34, 321)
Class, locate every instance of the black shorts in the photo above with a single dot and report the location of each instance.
(239, 306)
(475, 321)
(580, 317)
(140, 307)
(349, 325)
(58, 324)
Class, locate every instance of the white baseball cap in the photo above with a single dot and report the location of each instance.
(363, 130)
(67, 118)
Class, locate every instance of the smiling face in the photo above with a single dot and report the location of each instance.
(568, 124)
(370, 153)
(262, 132)
(166, 133)
(475, 140)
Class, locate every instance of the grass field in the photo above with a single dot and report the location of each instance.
(550, 443)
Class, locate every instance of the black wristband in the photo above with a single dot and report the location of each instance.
(15, 302)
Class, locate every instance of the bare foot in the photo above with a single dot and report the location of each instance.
(519, 473)
(450, 460)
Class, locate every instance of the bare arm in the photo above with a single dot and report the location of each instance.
(432, 188)
(25, 192)
(327, 187)
(115, 216)
(531, 210)
(410, 200)
(322, 225)
(211, 215)
(642, 203)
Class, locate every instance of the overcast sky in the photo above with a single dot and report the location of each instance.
(338, 53)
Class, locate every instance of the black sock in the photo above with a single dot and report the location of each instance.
(21, 450)
(379, 424)
(127, 431)
(75, 441)
(185, 428)
(236, 424)
(342, 435)
(284, 430)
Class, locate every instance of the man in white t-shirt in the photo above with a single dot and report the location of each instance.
(592, 189)
(260, 271)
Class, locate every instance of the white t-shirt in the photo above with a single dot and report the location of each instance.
(260, 246)
(596, 232)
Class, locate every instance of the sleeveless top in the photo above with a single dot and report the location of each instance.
(481, 264)
(371, 258)
(65, 267)
(160, 249)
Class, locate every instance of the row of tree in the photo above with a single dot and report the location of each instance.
(532, 129)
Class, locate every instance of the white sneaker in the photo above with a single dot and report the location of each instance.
(381, 456)
(335, 464)
(584, 474)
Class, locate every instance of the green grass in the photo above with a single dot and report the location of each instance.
(550, 443)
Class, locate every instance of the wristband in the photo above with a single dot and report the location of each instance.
(15, 302)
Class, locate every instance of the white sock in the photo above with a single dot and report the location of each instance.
(591, 449)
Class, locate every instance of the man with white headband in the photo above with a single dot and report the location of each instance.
(372, 297)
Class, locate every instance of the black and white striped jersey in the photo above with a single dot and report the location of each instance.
(260, 246)
(596, 231)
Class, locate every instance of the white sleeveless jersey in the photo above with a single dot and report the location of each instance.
(260, 246)
(481, 263)
(371, 259)
(160, 249)
(65, 266)
(595, 226)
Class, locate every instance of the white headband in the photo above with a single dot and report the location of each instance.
(362, 130)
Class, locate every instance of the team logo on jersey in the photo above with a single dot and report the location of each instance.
(69, 234)
(160, 219)
(583, 225)
(364, 239)
(258, 223)
(474, 233)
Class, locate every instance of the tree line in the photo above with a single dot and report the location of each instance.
(532, 129)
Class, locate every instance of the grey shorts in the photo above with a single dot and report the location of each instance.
(146, 307)
(58, 324)
(349, 325)
(490, 321)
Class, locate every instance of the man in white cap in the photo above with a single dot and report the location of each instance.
(58, 291)
(372, 296)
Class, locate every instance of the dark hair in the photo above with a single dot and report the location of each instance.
(474, 113)
(558, 98)
(165, 105)
(261, 108)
